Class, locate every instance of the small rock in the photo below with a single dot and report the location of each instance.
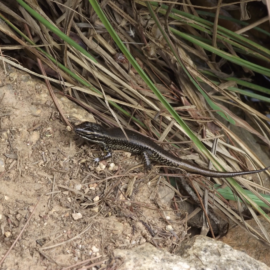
(113, 167)
(169, 228)
(77, 216)
(95, 209)
(142, 241)
(7, 234)
(41, 163)
(127, 154)
(93, 186)
(78, 187)
(96, 199)
(95, 249)
(100, 167)
(4, 135)
(13, 76)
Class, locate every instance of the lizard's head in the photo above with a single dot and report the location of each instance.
(90, 131)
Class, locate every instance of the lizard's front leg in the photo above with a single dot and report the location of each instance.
(108, 152)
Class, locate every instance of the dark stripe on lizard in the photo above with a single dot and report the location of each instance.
(114, 139)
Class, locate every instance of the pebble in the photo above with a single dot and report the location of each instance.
(100, 167)
(7, 234)
(113, 167)
(93, 186)
(78, 187)
(95, 249)
(142, 241)
(95, 209)
(77, 216)
(4, 135)
(127, 154)
(13, 76)
(169, 228)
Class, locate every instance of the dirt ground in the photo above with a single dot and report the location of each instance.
(77, 212)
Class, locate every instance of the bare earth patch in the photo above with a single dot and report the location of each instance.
(83, 212)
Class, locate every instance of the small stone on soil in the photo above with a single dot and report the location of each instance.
(77, 216)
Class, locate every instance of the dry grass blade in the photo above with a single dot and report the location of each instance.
(100, 75)
(9, 11)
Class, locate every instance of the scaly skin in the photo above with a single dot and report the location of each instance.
(114, 139)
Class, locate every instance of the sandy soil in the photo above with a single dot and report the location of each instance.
(77, 212)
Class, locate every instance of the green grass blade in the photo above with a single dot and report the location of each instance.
(234, 59)
(137, 67)
(232, 182)
(244, 83)
(55, 30)
(229, 195)
(213, 105)
(209, 25)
